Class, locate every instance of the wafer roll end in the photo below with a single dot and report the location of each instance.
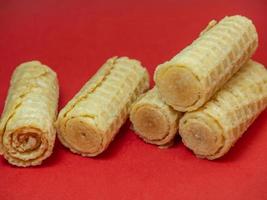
(150, 124)
(202, 134)
(153, 120)
(178, 86)
(82, 136)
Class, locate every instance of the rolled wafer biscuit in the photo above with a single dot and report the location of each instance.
(214, 128)
(153, 120)
(90, 121)
(191, 77)
(27, 132)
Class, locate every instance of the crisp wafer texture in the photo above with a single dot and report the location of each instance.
(90, 121)
(153, 120)
(214, 128)
(27, 132)
(190, 78)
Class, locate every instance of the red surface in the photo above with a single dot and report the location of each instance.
(75, 38)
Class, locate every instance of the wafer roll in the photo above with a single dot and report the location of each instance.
(189, 79)
(153, 120)
(214, 128)
(27, 132)
(90, 121)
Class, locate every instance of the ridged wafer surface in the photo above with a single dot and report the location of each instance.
(153, 120)
(214, 128)
(27, 131)
(90, 121)
(190, 78)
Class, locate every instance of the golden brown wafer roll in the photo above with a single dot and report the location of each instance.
(27, 132)
(153, 120)
(214, 128)
(90, 121)
(189, 79)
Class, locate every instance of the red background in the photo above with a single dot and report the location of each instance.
(75, 38)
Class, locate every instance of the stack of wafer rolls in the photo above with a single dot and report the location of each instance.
(153, 120)
(191, 77)
(214, 128)
(27, 131)
(196, 81)
(217, 84)
(90, 121)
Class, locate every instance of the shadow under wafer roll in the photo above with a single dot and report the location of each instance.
(90, 121)
(27, 132)
(153, 120)
(191, 77)
(214, 128)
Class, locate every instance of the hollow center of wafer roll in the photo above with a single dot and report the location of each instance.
(26, 140)
(150, 123)
(82, 136)
(179, 87)
(203, 137)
